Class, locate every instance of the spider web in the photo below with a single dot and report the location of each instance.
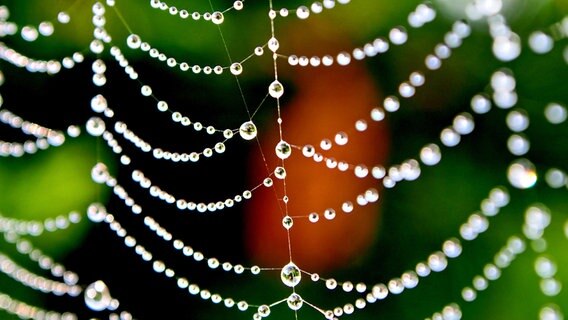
(186, 151)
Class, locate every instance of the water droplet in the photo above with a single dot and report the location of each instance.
(303, 12)
(99, 103)
(480, 103)
(545, 268)
(395, 286)
(264, 311)
(29, 33)
(437, 262)
(409, 279)
(236, 68)
(452, 248)
(287, 222)
(97, 296)
(291, 275)
(449, 137)
(463, 123)
(273, 44)
(268, 182)
(217, 17)
(99, 173)
(550, 287)
(95, 126)
(133, 41)
(507, 47)
(295, 302)
(518, 144)
(555, 113)
(540, 42)
(550, 312)
(341, 138)
(555, 178)
(343, 58)
(391, 104)
(96, 212)
(283, 150)
(430, 155)
(248, 130)
(276, 89)
(398, 35)
(518, 120)
(522, 174)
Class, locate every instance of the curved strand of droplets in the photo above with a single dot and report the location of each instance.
(216, 17)
(160, 267)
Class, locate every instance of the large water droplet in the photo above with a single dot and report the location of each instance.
(97, 296)
(522, 174)
(217, 17)
(507, 48)
(248, 130)
(283, 150)
(291, 275)
(295, 302)
(276, 89)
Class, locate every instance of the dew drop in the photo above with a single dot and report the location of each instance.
(95, 126)
(507, 47)
(518, 144)
(99, 103)
(97, 296)
(463, 123)
(480, 104)
(96, 212)
(283, 150)
(287, 222)
(248, 130)
(517, 120)
(236, 68)
(540, 42)
(398, 35)
(276, 89)
(291, 275)
(555, 113)
(264, 310)
(430, 155)
(295, 302)
(522, 174)
(273, 44)
(280, 173)
(303, 12)
(133, 41)
(217, 17)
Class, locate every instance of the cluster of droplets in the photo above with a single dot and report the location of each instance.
(34, 281)
(31, 33)
(45, 137)
(162, 106)
(492, 271)
(436, 262)
(158, 153)
(449, 312)
(36, 228)
(216, 17)
(303, 12)
(423, 14)
(26, 311)
(182, 204)
(133, 41)
(160, 267)
(52, 66)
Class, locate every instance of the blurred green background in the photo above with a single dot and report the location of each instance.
(415, 217)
